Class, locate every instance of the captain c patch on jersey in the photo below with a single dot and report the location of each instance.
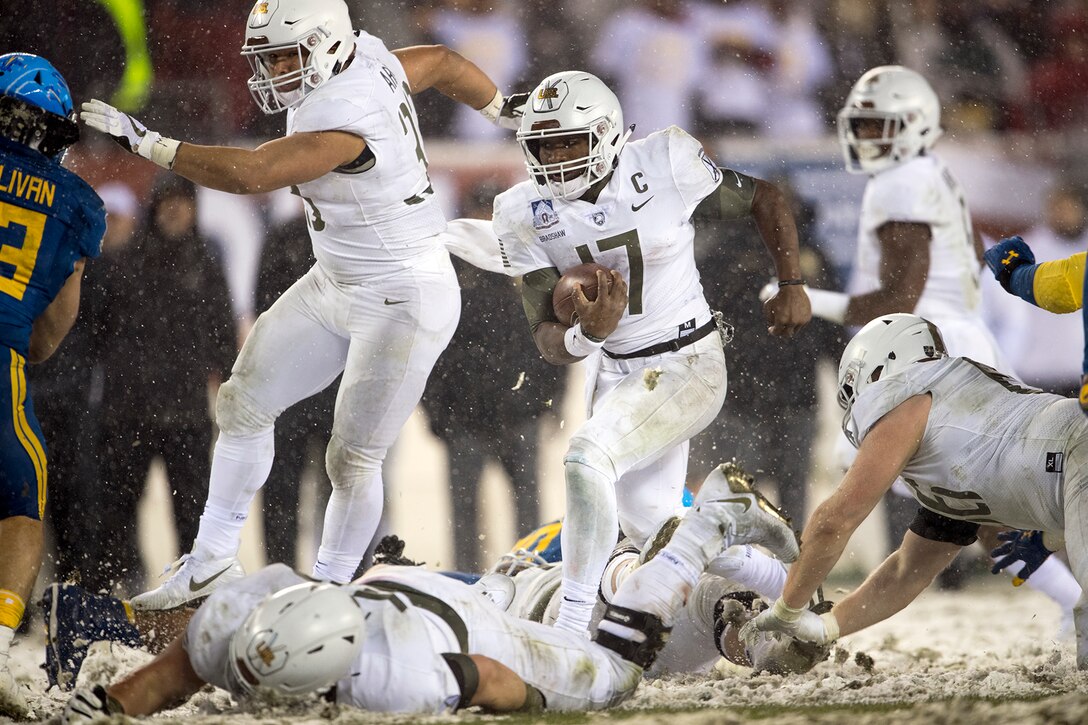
(544, 215)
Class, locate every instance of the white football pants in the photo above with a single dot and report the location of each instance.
(384, 335)
(627, 464)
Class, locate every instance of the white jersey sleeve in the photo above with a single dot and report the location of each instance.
(993, 451)
(695, 174)
(902, 194)
(207, 636)
(518, 217)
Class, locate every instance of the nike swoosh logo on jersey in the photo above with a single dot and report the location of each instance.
(394, 302)
(636, 208)
(738, 178)
(195, 586)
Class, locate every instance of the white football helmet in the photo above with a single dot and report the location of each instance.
(318, 30)
(298, 640)
(885, 346)
(583, 106)
(909, 109)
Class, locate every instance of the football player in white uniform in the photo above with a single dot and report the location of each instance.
(975, 446)
(657, 368)
(526, 583)
(380, 304)
(403, 639)
(918, 251)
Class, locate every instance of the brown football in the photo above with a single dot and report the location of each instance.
(563, 296)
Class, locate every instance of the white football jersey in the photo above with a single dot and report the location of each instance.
(640, 225)
(993, 450)
(374, 219)
(923, 191)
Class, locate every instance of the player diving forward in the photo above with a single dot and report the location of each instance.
(380, 304)
(51, 221)
(975, 446)
(656, 365)
(918, 251)
(403, 639)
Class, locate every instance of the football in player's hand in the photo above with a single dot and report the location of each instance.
(563, 296)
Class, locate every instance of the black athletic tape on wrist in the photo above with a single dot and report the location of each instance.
(789, 282)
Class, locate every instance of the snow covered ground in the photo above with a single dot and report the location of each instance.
(987, 654)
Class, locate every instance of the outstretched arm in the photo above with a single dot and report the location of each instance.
(288, 161)
(448, 72)
(163, 683)
(896, 583)
(884, 452)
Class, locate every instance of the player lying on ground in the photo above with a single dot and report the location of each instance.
(526, 583)
(975, 447)
(404, 639)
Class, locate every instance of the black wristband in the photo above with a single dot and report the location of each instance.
(592, 338)
(788, 282)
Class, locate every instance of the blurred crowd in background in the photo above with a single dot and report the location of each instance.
(760, 81)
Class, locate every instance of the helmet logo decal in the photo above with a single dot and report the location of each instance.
(264, 656)
(260, 16)
(550, 96)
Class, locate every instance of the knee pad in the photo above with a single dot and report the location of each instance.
(350, 465)
(585, 452)
(237, 413)
(655, 635)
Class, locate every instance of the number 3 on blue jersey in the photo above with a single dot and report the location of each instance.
(21, 233)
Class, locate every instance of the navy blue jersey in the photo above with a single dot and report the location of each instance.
(49, 219)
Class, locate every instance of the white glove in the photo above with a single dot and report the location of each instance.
(802, 624)
(89, 704)
(506, 112)
(132, 135)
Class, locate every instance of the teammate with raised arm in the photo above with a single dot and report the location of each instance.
(408, 640)
(380, 304)
(656, 364)
(51, 221)
(976, 448)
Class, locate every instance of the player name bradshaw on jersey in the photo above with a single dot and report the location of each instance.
(379, 216)
(21, 185)
(923, 191)
(991, 446)
(640, 225)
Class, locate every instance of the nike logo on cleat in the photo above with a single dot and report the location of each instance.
(195, 586)
(394, 302)
(747, 502)
(636, 208)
